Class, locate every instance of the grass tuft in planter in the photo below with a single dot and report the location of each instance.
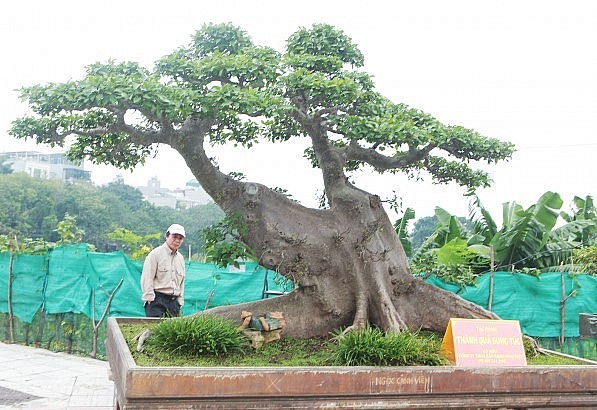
(198, 336)
(372, 347)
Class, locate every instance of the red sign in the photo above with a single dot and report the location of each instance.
(484, 342)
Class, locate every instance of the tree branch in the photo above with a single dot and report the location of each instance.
(355, 152)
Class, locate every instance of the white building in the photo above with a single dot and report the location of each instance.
(46, 166)
(191, 195)
(57, 166)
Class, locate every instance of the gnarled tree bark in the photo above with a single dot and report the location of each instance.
(347, 262)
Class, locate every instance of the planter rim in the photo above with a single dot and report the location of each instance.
(464, 386)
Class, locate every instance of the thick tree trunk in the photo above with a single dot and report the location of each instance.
(422, 306)
(348, 265)
(347, 262)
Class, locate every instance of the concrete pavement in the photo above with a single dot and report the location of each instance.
(33, 378)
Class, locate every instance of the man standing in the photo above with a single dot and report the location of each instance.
(162, 280)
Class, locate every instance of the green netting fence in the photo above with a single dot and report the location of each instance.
(536, 302)
(533, 300)
(57, 298)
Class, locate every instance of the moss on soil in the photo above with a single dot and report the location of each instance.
(284, 352)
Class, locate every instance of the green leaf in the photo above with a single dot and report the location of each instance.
(401, 228)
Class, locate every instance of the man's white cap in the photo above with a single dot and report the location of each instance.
(176, 228)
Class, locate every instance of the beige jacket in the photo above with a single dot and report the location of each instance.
(163, 271)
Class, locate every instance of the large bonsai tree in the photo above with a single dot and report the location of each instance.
(346, 260)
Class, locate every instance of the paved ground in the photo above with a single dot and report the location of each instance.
(33, 378)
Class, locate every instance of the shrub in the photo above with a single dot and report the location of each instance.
(458, 274)
(373, 347)
(198, 335)
(586, 259)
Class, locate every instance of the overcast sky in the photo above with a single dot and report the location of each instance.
(521, 71)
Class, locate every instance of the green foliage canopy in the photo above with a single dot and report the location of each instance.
(224, 87)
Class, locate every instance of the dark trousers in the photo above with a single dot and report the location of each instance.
(163, 305)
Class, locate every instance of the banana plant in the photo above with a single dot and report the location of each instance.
(484, 226)
(528, 239)
(401, 228)
(584, 212)
(448, 228)
(452, 252)
(525, 231)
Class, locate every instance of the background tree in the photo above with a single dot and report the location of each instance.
(5, 167)
(131, 196)
(32, 208)
(423, 228)
(27, 206)
(135, 245)
(347, 261)
(68, 230)
(99, 212)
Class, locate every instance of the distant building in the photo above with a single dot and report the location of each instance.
(188, 197)
(57, 166)
(46, 166)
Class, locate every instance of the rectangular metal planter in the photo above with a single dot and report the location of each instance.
(139, 387)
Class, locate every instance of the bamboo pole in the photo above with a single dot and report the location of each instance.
(93, 339)
(491, 275)
(563, 305)
(11, 324)
(11, 318)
